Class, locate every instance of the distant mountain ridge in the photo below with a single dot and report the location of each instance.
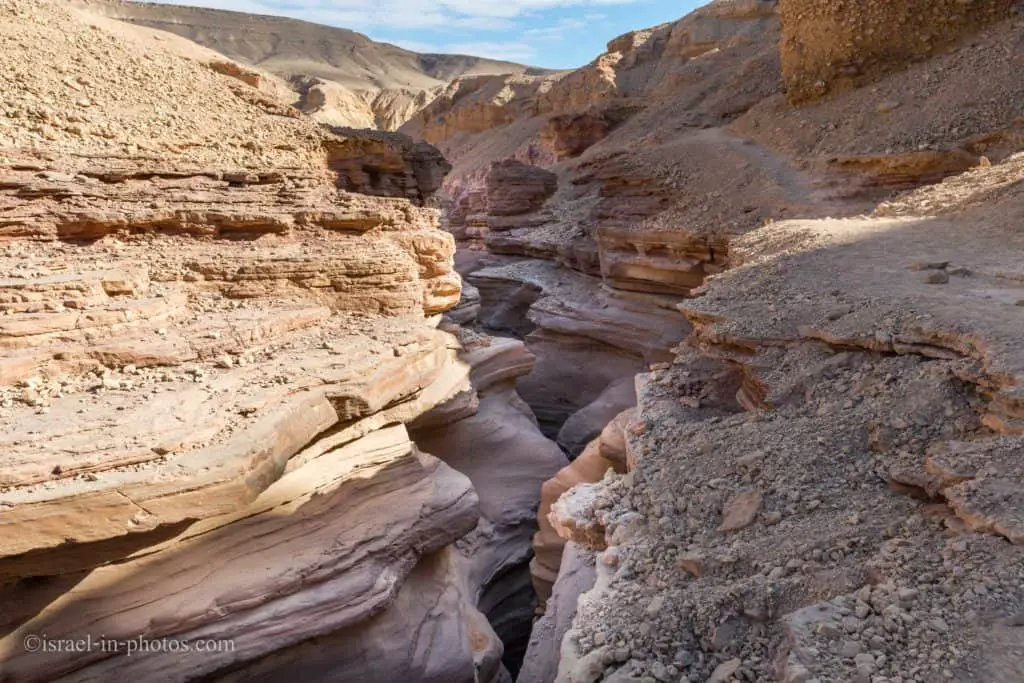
(382, 85)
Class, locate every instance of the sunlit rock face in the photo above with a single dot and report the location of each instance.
(211, 345)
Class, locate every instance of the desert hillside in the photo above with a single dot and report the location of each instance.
(354, 81)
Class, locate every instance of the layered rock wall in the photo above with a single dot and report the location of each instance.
(211, 345)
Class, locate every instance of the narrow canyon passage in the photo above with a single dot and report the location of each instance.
(700, 363)
(581, 348)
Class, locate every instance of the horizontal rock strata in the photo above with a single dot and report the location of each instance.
(210, 344)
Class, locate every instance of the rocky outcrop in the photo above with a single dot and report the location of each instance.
(604, 453)
(820, 475)
(514, 190)
(336, 105)
(474, 104)
(828, 47)
(618, 201)
(586, 339)
(855, 489)
(385, 164)
(207, 361)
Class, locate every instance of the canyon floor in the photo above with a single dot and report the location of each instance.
(701, 363)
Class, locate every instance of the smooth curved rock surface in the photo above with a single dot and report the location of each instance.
(586, 338)
(576, 575)
(212, 338)
(587, 423)
(431, 633)
(320, 572)
(502, 451)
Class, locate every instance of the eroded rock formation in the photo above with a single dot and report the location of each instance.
(849, 517)
(500, 448)
(211, 345)
(589, 342)
(604, 453)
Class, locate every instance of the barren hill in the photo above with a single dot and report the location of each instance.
(359, 81)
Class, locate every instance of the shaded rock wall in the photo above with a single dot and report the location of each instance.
(500, 448)
(586, 339)
(576, 575)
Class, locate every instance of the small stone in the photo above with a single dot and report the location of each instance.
(693, 564)
(865, 664)
(655, 606)
(850, 649)
(797, 674)
(659, 672)
(740, 511)
(887, 106)
(907, 594)
(750, 460)
(937, 278)
(724, 671)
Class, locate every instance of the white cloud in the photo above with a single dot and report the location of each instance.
(397, 14)
(512, 30)
(556, 31)
(508, 51)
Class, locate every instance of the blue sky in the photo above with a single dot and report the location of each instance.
(550, 33)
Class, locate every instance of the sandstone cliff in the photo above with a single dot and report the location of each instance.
(213, 336)
(680, 137)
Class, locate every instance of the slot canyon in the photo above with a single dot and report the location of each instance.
(701, 363)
